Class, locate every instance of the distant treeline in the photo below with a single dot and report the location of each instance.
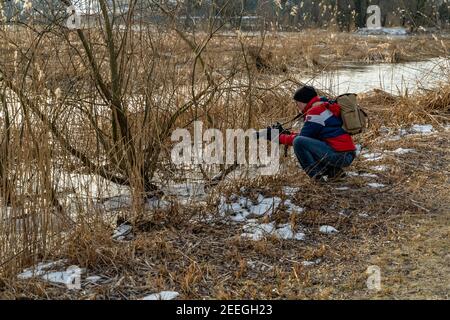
(345, 14)
(282, 14)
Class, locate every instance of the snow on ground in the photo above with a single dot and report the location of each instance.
(125, 201)
(93, 279)
(40, 269)
(240, 208)
(123, 232)
(63, 277)
(290, 191)
(48, 272)
(185, 192)
(401, 151)
(163, 295)
(292, 208)
(369, 175)
(265, 206)
(353, 174)
(376, 185)
(328, 230)
(373, 156)
(379, 168)
(86, 185)
(382, 31)
(363, 175)
(311, 263)
(423, 129)
(417, 129)
(256, 231)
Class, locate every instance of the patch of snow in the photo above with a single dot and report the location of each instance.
(45, 272)
(257, 232)
(342, 189)
(402, 151)
(122, 232)
(257, 236)
(62, 277)
(311, 263)
(383, 31)
(328, 230)
(235, 207)
(423, 129)
(300, 236)
(286, 232)
(264, 228)
(379, 168)
(93, 279)
(240, 210)
(260, 198)
(117, 203)
(376, 185)
(163, 295)
(203, 218)
(40, 269)
(125, 201)
(84, 185)
(265, 206)
(185, 191)
(292, 208)
(240, 217)
(345, 213)
(373, 156)
(369, 175)
(157, 204)
(358, 151)
(290, 191)
(245, 202)
(353, 174)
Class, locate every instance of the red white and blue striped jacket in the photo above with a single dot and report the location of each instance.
(323, 122)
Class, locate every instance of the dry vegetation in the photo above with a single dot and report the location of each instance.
(103, 103)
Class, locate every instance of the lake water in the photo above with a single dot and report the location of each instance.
(398, 78)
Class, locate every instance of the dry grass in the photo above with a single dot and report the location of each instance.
(202, 260)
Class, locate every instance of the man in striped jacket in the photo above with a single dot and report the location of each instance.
(322, 147)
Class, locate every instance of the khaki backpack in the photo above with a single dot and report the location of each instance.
(354, 117)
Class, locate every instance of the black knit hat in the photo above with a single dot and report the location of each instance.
(305, 94)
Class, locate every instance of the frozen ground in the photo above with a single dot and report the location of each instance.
(253, 214)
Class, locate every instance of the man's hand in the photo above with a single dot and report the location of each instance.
(269, 133)
(280, 128)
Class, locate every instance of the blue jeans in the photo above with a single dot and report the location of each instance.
(317, 158)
